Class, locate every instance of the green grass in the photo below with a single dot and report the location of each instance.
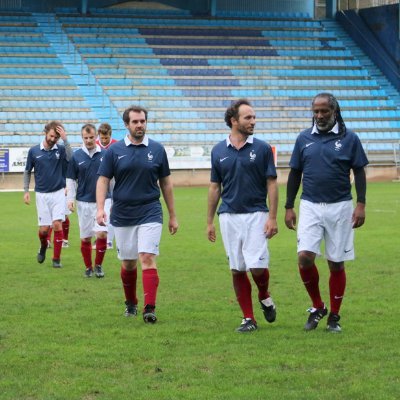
(64, 337)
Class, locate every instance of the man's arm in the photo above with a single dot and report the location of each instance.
(63, 135)
(27, 181)
(214, 194)
(293, 185)
(168, 194)
(71, 194)
(360, 181)
(271, 226)
(101, 193)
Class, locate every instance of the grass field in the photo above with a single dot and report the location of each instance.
(64, 337)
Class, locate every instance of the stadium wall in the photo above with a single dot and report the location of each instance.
(384, 23)
(357, 28)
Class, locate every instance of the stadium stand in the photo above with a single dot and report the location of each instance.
(185, 70)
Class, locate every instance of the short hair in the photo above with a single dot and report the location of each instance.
(88, 128)
(233, 110)
(105, 129)
(134, 108)
(52, 125)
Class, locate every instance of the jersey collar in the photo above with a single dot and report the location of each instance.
(248, 140)
(334, 130)
(145, 141)
(85, 150)
(51, 148)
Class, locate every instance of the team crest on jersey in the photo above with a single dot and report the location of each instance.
(338, 145)
(253, 156)
(149, 156)
(57, 155)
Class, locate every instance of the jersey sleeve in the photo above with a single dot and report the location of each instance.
(29, 161)
(295, 159)
(270, 171)
(359, 157)
(164, 165)
(215, 173)
(106, 167)
(72, 170)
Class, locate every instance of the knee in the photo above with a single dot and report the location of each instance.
(306, 259)
(57, 225)
(147, 260)
(336, 266)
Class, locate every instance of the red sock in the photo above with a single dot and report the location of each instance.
(86, 250)
(150, 284)
(128, 279)
(337, 286)
(242, 286)
(262, 282)
(101, 248)
(310, 278)
(49, 235)
(65, 228)
(57, 243)
(43, 239)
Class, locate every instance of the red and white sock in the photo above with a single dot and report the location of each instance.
(57, 242)
(101, 248)
(43, 239)
(242, 287)
(150, 285)
(129, 279)
(337, 286)
(262, 282)
(310, 278)
(65, 228)
(86, 251)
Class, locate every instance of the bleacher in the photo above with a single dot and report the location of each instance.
(186, 70)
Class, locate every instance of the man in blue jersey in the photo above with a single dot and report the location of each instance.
(137, 164)
(49, 161)
(242, 175)
(323, 156)
(81, 185)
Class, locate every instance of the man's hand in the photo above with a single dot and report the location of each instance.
(271, 228)
(101, 217)
(358, 217)
(290, 218)
(212, 236)
(173, 225)
(61, 131)
(27, 198)
(71, 206)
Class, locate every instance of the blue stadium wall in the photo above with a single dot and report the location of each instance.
(384, 23)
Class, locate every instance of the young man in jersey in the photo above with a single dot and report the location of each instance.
(81, 185)
(137, 163)
(242, 175)
(105, 140)
(323, 156)
(49, 161)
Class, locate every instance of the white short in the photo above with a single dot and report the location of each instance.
(244, 240)
(87, 219)
(132, 240)
(329, 222)
(50, 207)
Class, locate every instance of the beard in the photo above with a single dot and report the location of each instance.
(325, 126)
